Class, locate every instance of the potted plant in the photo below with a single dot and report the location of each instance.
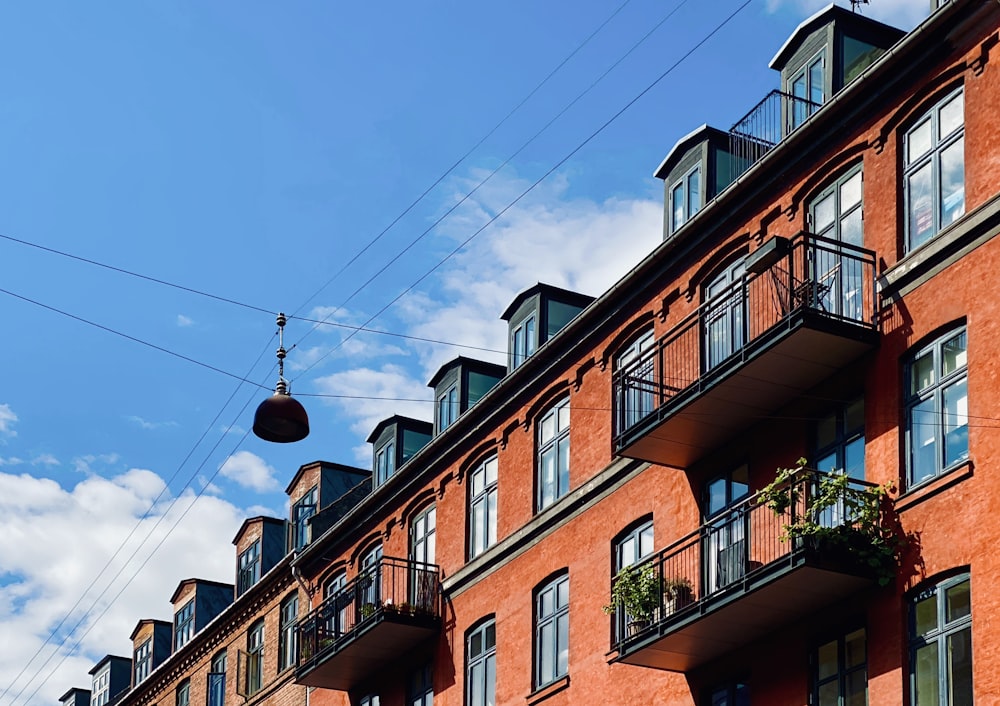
(834, 519)
(638, 591)
(677, 593)
(368, 610)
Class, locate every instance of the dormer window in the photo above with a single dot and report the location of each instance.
(685, 198)
(301, 512)
(249, 568)
(184, 625)
(808, 87)
(101, 690)
(523, 341)
(385, 463)
(447, 408)
(143, 659)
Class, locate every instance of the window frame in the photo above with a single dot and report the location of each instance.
(843, 672)
(481, 526)
(834, 190)
(637, 403)
(935, 392)
(932, 158)
(101, 687)
(683, 187)
(216, 680)
(795, 116)
(447, 409)
(845, 436)
(556, 621)
(255, 658)
(248, 567)
(304, 508)
(184, 624)
(939, 635)
(553, 444)
(385, 462)
(182, 695)
(142, 659)
(523, 340)
(420, 686)
(288, 635)
(478, 691)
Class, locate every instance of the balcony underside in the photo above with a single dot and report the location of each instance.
(750, 386)
(369, 653)
(744, 613)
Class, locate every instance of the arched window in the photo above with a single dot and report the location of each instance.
(553, 454)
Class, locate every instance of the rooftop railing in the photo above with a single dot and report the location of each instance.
(777, 116)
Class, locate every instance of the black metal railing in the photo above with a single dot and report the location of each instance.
(768, 123)
(745, 541)
(391, 589)
(833, 280)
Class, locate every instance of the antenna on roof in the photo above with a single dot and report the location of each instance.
(856, 3)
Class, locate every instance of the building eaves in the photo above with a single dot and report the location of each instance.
(549, 290)
(473, 364)
(322, 464)
(263, 519)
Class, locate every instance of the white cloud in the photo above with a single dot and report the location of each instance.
(234, 429)
(57, 541)
(45, 460)
(905, 14)
(184, 321)
(7, 418)
(144, 424)
(250, 471)
(85, 464)
(11, 461)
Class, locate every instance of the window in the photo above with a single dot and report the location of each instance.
(725, 321)
(287, 636)
(385, 463)
(255, 658)
(523, 340)
(637, 397)
(248, 571)
(735, 694)
(421, 687)
(807, 89)
(184, 693)
(840, 440)
(836, 214)
(447, 408)
(423, 542)
(483, 507)
(481, 665)
(937, 407)
(840, 671)
(553, 454)
(934, 170)
(303, 509)
(685, 198)
(142, 659)
(340, 617)
(217, 680)
(369, 700)
(631, 547)
(552, 631)
(941, 644)
(184, 625)
(726, 536)
(371, 563)
(100, 692)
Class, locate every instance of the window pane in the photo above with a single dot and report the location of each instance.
(562, 656)
(646, 541)
(816, 82)
(953, 355)
(918, 141)
(920, 206)
(491, 682)
(953, 182)
(854, 458)
(826, 660)
(922, 373)
(563, 465)
(677, 201)
(491, 471)
(548, 427)
(823, 214)
(476, 644)
(851, 229)
(956, 422)
(491, 518)
(829, 694)
(826, 432)
(491, 635)
(546, 645)
(857, 689)
(529, 336)
(828, 463)
(960, 667)
(925, 676)
(694, 193)
(957, 602)
(926, 615)
(952, 115)
(854, 649)
(564, 416)
(850, 192)
(476, 685)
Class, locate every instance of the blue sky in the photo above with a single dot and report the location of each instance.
(250, 150)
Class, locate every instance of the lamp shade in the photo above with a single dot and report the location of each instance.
(281, 418)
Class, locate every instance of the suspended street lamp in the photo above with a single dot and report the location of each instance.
(280, 418)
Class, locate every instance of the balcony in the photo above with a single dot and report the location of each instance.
(743, 577)
(776, 117)
(804, 309)
(371, 627)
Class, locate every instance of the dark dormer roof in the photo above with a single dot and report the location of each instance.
(199, 582)
(681, 147)
(418, 425)
(479, 366)
(264, 519)
(551, 292)
(148, 621)
(105, 660)
(834, 13)
(324, 464)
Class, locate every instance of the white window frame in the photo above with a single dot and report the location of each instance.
(552, 631)
(447, 408)
(554, 444)
(681, 190)
(483, 495)
(481, 664)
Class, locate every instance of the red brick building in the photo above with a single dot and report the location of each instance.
(821, 292)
